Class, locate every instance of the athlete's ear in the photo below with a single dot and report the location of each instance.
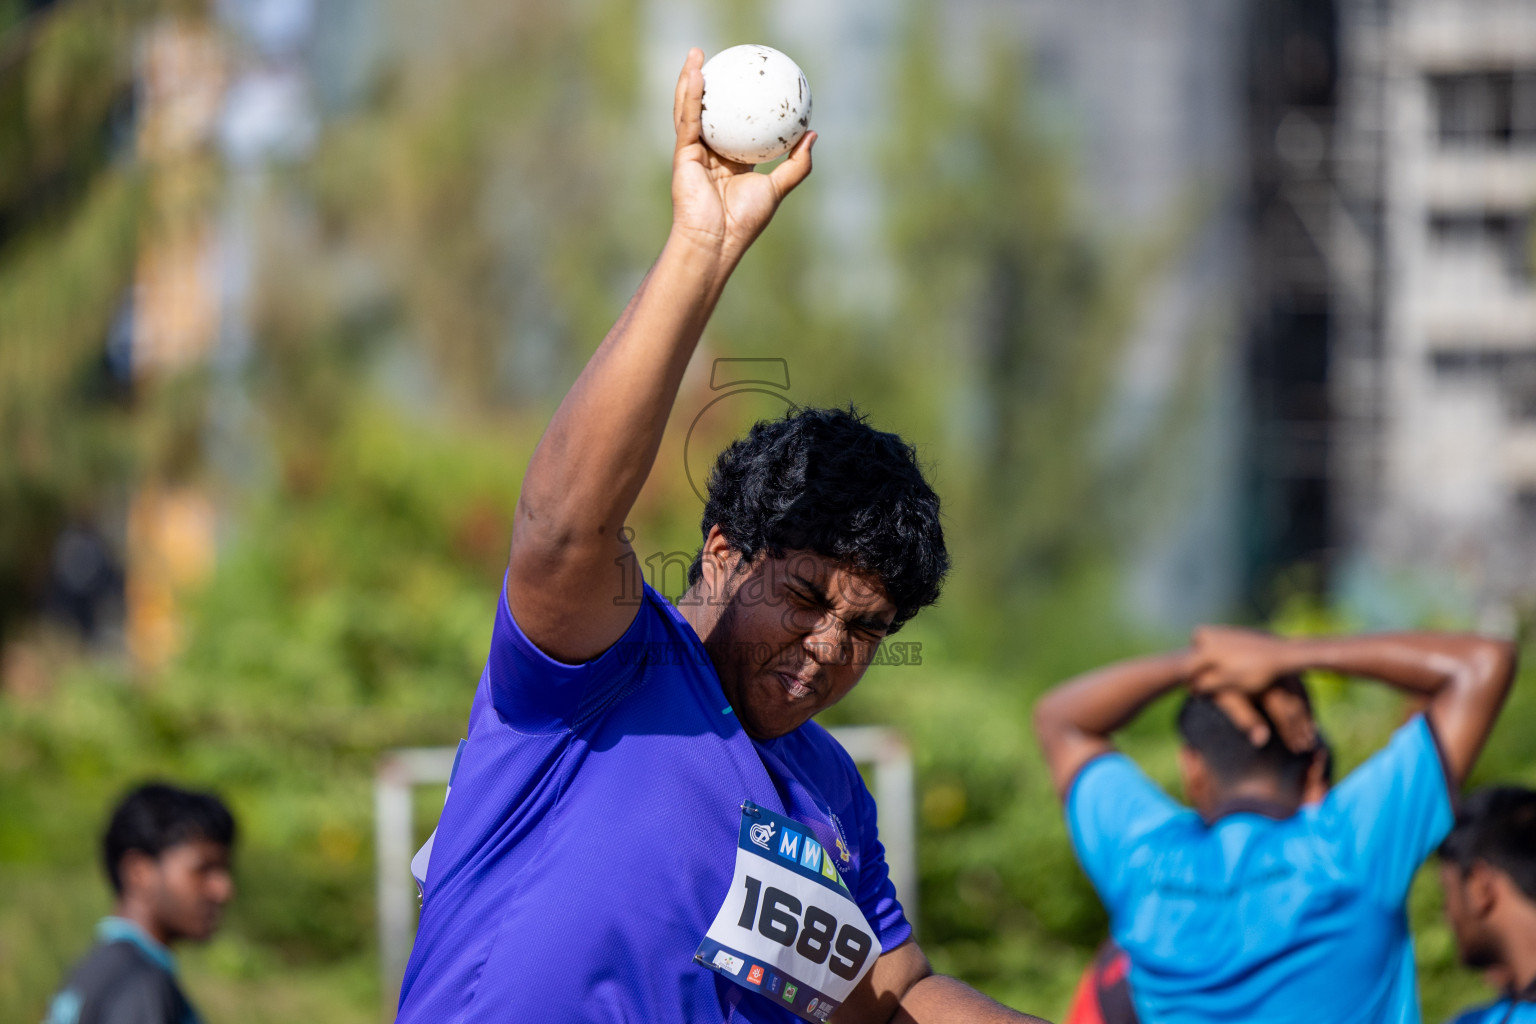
(715, 543)
(139, 872)
(1481, 887)
(717, 559)
(1198, 785)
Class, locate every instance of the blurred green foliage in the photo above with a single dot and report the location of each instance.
(430, 282)
(67, 229)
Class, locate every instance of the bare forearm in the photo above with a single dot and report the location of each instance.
(599, 447)
(1465, 677)
(1422, 663)
(938, 999)
(1074, 720)
(1101, 701)
(595, 455)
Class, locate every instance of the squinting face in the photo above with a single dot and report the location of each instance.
(795, 636)
(188, 888)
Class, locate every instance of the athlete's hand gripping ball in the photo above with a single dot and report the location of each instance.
(720, 204)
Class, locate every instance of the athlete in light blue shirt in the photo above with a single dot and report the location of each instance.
(644, 824)
(1488, 871)
(1251, 906)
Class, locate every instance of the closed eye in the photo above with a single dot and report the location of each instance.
(809, 600)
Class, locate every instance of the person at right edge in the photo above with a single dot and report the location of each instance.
(1253, 906)
(1488, 871)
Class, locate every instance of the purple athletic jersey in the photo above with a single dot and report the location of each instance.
(590, 836)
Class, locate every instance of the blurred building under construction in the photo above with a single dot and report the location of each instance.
(1365, 174)
(1392, 356)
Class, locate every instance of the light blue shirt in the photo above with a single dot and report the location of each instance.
(1264, 918)
(1506, 1011)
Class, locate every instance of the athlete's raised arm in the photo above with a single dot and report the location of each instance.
(562, 580)
(1075, 719)
(1465, 677)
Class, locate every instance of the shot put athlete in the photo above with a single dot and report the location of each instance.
(644, 824)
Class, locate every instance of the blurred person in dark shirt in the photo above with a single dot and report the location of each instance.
(167, 856)
(1488, 870)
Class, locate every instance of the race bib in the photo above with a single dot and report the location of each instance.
(789, 929)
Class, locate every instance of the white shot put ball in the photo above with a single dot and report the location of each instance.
(757, 104)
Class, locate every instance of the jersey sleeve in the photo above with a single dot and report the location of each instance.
(1395, 809)
(533, 692)
(1111, 806)
(876, 892)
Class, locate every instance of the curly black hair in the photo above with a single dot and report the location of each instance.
(824, 480)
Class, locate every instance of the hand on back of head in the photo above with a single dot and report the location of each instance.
(1246, 670)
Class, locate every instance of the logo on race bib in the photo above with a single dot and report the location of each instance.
(810, 859)
(789, 993)
(789, 845)
(755, 975)
(725, 961)
(830, 872)
(811, 1006)
(762, 835)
